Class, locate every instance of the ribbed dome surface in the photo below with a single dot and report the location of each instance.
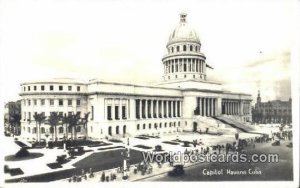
(183, 32)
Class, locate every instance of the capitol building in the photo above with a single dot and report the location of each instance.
(185, 99)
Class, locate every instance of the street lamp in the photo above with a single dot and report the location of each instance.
(126, 156)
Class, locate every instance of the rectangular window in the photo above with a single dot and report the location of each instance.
(51, 88)
(116, 112)
(51, 102)
(69, 102)
(34, 102)
(42, 88)
(78, 102)
(60, 88)
(61, 114)
(123, 112)
(43, 113)
(28, 88)
(29, 102)
(70, 113)
(78, 88)
(29, 116)
(92, 114)
(42, 102)
(60, 102)
(24, 88)
(109, 112)
(34, 88)
(69, 88)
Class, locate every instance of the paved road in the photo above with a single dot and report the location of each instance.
(281, 171)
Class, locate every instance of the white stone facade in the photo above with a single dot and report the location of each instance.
(118, 109)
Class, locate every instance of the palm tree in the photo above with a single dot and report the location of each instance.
(54, 120)
(65, 120)
(74, 121)
(85, 121)
(39, 119)
(15, 121)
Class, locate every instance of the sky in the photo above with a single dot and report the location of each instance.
(248, 43)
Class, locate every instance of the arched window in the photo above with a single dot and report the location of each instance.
(170, 124)
(196, 48)
(43, 130)
(149, 125)
(60, 130)
(28, 129)
(191, 48)
(178, 123)
(144, 126)
(159, 125)
(138, 127)
(78, 129)
(117, 129)
(172, 49)
(51, 130)
(184, 67)
(174, 124)
(184, 47)
(177, 48)
(34, 130)
(165, 124)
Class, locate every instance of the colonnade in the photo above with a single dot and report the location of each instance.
(148, 108)
(184, 65)
(206, 106)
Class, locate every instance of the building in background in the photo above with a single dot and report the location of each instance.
(185, 100)
(12, 117)
(275, 111)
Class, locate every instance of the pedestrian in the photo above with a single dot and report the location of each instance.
(103, 177)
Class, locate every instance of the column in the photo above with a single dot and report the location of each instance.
(152, 109)
(204, 109)
(214, 107)
(200, 106)
(208, 106)
(167, 109)
(156, 108)
(146, 108)
(172, 110)
(113, 109)
(163, 108)
(175, 103)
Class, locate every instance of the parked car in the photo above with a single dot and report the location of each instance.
(177, 171)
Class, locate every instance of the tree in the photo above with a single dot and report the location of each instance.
(39, 119)
(53, 121)
(65, 121)
(74, 121)
(14, 122)
(85, 121)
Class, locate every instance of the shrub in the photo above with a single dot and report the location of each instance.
(186, 144)
(158, 148)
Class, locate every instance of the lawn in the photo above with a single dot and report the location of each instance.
(107, 160)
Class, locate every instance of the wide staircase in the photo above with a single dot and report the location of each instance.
(235, 124)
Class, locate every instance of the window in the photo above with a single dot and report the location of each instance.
(78, 102)
(51, 88)
(78, 88)
(42, 88)
(60, 130)
(70, 113)
(34, 102)
(29, 102)
(78, 129)
(116, 112)
(43, 113)
(123, 112)
(109, 112)
(51, 130)
(28, 88)
(138, 127)
(60, 102)
(29, 116)
(144, 126)
(177, 48)
(69, 102)
(172, 49)
(28, 129)
(69, 129)
(92, 112)
(43, 130)
(42, 102)
(191, 48)
(34, 88)
(69, 88)
(149, 125)
(34, 130)
(60, 114)
(51, 102)
(24, 88)
(60, 88)
(184, 47)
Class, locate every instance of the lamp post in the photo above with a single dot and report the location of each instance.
(126, 156)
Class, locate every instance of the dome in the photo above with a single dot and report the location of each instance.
(183, 32)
